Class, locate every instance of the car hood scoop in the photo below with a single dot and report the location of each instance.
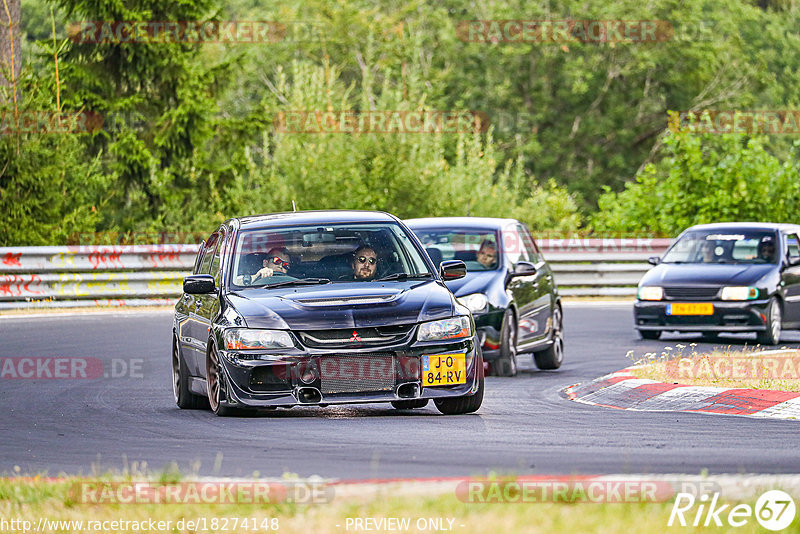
(343, 305)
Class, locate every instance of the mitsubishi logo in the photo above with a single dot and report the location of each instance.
(355, 336)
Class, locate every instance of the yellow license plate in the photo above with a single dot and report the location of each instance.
(444, 369)
(694, 308)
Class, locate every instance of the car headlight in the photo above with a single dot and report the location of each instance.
(475, 302)
(453, 328)
(246, 338)
(650, 293)
(739, 293)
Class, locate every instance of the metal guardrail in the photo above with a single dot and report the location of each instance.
(138, 275)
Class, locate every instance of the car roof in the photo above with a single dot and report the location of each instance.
(291, 218)
(460, 222)
(784, 227)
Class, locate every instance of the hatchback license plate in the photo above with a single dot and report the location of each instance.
(444, 369)
(693, 308)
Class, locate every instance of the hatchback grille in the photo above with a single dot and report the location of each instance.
(353, 374)
(691, 293)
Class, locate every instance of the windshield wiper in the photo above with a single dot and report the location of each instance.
(300, 282)
(404, 276)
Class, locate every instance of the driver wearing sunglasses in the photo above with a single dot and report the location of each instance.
(364, 263)
(276, 262)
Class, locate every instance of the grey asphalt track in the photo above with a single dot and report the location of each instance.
(525, 425)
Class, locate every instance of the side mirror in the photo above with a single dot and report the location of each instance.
(654, 260)
(452, 270)
(793, 261)
(523, 268)
(199, 284)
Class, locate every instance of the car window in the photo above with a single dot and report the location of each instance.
(529, 245)
(342, 252)
(200, 250)
(792, 246)
(216, 260)
(473, 247)
(208, 254)
(724, 246)
(514, 247)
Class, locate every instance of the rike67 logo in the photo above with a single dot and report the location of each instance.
(774, 510)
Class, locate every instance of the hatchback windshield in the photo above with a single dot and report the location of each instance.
(325, 254)
(724, 246)
(476, 248)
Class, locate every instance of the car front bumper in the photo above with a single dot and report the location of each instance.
(382, 375)
(728, 316)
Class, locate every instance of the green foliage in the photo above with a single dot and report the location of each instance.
(408, 174)
(704, 178)
(51, 188)
(189, 139)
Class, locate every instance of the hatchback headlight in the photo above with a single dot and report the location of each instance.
(739, 293)
(650, 293)
(246, 338)
(475, 302)
(453, 328)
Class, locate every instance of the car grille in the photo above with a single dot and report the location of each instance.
(354, 374)
(690, 293)
(355, 337)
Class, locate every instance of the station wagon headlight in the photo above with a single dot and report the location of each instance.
(739, 293)
(247, 338)
(650, 293)
(453, 328)
(475, 302)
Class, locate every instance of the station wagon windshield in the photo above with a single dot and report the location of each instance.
(724, 246)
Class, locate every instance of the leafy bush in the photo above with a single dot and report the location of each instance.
(704, 178)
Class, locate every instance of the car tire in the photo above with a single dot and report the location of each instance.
(410, 404)
(552, 356)
(462, 405)
(215, 385)
(506, 364)
(772, 335)
(184, 399)
(650, 334)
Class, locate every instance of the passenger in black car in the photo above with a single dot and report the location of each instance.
(276, 262)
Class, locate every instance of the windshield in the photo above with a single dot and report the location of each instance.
(322, 254)
(726, 246)
(476, 248)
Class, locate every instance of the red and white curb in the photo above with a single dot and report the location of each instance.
(624, 391)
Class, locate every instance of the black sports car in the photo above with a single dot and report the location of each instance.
(726, 277)
(509, 287)
(322, 308)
